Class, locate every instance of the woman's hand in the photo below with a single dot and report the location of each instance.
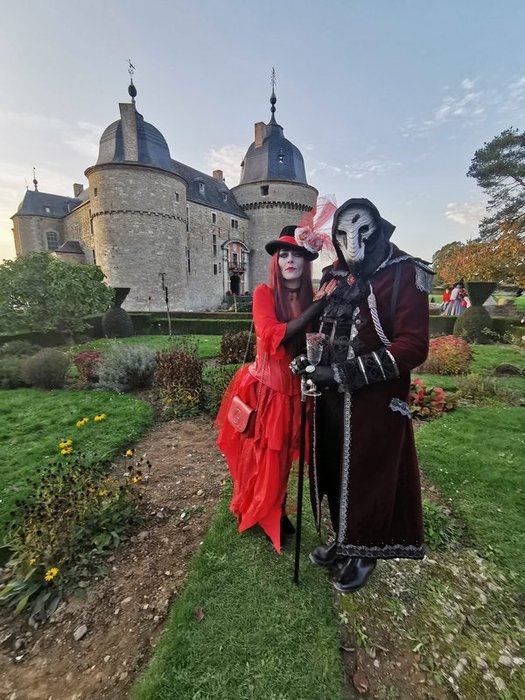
(326, 289)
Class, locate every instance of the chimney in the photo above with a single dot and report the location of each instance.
(129, 131)
(260, 133)
(218, 175)
(77, 189)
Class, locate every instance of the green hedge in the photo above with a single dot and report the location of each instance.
(209, 324)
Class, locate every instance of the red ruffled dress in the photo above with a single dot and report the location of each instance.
(259, 466)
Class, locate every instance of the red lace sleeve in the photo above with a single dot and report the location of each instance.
(270, 332)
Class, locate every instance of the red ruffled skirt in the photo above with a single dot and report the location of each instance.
(260, 465)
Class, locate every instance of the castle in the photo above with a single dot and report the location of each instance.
(151, 222)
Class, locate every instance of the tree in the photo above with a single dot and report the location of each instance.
(40, 292)
(499, 168)
(499, 260)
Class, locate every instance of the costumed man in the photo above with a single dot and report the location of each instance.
(363, 453)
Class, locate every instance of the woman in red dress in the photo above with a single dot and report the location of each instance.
(260, 465)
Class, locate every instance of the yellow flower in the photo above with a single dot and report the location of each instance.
(66, 451)
(51, 573)
(136, 479)
(69, 443)
(99, 417)
(103, 492)
(107, 480)
(32, 561)
(130, 453)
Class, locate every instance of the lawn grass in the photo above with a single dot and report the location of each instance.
(487, 357)
(476, 457)
(208, 345)
(261, 636)
(34, 422)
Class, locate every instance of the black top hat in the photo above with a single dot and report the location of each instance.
(287, 241)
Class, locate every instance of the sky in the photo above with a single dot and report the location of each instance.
(386, 99)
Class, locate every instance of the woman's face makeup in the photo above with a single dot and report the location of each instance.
(291, 264)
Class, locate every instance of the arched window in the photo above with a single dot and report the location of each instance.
(52, 240)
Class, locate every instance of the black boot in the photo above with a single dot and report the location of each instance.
(287, 527)
(326, 555)
(354, 574)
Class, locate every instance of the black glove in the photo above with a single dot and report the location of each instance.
(371, 368)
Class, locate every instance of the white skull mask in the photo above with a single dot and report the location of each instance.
(355, 226)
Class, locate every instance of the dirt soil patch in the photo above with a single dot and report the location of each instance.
(125, 612)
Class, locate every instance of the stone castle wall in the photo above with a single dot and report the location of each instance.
(139, 231)
(30, 233)
(271, 206)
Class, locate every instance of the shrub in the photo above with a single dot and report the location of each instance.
(216, 380)
(45, 370)
(233, 347)
(178, 376)
(441, 531)
(87, 363)
(19, 348)
(10, 373)
(125, 368)
(447, 354)
(116, 323)
(473, 325)
(429, 402)
(480, 389)
(76, 512)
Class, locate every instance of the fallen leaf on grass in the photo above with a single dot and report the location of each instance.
(199, 614)
(360, 682)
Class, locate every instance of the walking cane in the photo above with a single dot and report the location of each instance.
(300, 483)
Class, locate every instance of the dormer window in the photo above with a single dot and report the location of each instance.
(201, 187)
(225, 197)
(281, 159)
(47, 210)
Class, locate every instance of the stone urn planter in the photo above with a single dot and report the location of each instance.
(475, 325)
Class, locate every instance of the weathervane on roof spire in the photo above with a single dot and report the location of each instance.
(132, 90)
(35, 181)
(273, 99)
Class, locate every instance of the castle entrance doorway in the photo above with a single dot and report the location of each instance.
(235, 284)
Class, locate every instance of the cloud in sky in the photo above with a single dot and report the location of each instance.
(85, 139)
(227, 158)
(470, 104)
(355, 170)
(465, 213)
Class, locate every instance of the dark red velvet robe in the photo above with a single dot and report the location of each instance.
(363, 449)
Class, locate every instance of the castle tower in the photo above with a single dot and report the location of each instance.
(273, 190)
(138, 212)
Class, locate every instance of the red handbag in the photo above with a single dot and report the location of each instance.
(242, 417)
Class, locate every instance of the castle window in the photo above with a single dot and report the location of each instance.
(265, 190)
(281, 159)
(224, 197)
(201, 187)
(94, 257)
(47, 210)
(215, 269)
(187, 218)
(177, 197)
(90, 222)
(95, 192)
(213, 217)
(234, 224)
(52, 240)
(188, 259)
(214, 245)
(220, 267)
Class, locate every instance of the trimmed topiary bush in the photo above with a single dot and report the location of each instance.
(45, 370)
(447, 354)
(116, 323)
(125, 368)
(475, 325)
